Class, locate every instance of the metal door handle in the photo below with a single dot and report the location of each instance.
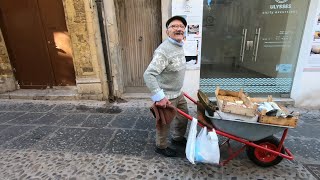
(243, 43)
(249, 45)
(256, 45)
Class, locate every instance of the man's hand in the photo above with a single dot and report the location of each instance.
(163, 103)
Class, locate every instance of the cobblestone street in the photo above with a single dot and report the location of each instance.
(67, 140)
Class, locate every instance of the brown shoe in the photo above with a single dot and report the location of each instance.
(168, 152)
(182, 142)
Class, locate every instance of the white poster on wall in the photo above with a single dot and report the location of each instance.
(191, 10)
(313, 64)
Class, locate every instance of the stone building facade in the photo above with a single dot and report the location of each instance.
(83, 29)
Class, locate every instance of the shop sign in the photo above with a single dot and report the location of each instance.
(280, 7)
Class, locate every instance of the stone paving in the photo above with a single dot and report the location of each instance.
(68, 140)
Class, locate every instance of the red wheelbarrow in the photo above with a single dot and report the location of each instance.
(261, 146)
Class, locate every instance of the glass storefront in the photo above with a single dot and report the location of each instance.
(251, 44)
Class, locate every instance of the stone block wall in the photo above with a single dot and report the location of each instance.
(7, 81)
(88, 60)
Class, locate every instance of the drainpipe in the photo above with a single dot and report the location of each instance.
(105, 49)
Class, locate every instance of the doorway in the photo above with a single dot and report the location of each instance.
(252, 45)
(139, 23)
(38, 43)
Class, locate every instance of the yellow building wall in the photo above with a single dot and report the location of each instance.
(88, 61)
(7, 82)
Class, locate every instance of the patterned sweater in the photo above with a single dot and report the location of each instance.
(165, 74)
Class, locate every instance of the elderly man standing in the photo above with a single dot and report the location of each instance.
(164, 77)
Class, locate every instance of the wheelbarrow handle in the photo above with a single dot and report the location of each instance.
(187, 115)
(190, 118)
(191, 99)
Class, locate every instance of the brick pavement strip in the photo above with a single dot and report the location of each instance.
(43, 140)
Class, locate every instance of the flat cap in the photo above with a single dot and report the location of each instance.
(183, 20)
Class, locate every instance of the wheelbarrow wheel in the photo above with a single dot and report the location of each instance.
(263, 158)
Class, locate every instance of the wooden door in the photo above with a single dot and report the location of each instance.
(26, 43)
(58, 41)
(139, 22)
(32, 46)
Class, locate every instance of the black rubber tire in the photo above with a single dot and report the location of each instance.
(251, 152)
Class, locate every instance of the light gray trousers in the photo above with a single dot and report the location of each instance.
(179, 124)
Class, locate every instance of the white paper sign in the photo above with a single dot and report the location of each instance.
(313, 64)
(191, 10)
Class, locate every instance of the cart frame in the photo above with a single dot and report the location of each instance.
(288, 155)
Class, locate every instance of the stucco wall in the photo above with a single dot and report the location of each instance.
(306, 86)
(7, 82)
(166, 14)
(110, 22)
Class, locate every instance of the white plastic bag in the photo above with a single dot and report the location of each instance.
(207, 147)
(191, 142)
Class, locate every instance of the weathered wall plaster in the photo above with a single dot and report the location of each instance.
(7, 82)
